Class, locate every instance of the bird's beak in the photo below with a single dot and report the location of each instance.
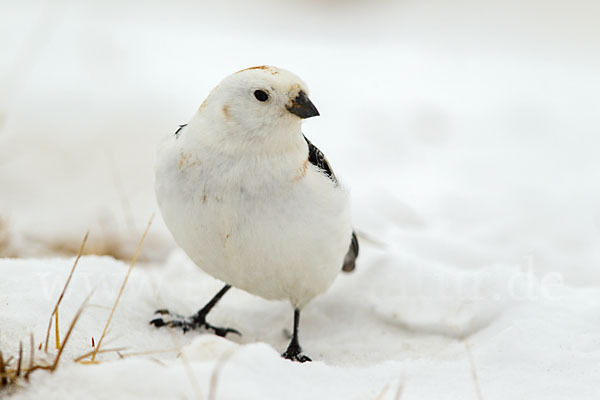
(302, 106)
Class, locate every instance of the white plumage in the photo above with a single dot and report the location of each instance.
(237, 191)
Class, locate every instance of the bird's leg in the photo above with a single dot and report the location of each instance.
(294, 351)
(197, 320)
(200, 317)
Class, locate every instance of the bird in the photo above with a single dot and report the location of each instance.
(252, 201)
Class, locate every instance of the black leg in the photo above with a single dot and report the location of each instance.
(197, 320)
(294, 351)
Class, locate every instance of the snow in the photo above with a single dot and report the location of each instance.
(467, 131)
(528, 339)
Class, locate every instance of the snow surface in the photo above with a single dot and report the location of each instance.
(528, 339)
(468, 132)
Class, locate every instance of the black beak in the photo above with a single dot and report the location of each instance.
(302, 106)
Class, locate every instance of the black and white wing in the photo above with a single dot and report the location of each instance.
(318, 159)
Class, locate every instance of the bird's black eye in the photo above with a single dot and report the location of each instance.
(261, 95)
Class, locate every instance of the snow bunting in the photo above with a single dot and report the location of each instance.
(251, 200)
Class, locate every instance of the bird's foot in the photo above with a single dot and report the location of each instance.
(294, 353)
(196, 321)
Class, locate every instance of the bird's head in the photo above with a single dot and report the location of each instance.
(259, 102)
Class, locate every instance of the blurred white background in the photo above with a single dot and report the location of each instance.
(467, 130)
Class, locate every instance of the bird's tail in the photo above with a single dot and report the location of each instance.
(350, 259)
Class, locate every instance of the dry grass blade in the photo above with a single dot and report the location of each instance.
(56, 331)
(397, 395)
(73, 322)
(10, 375)
(20, 359)
(112, 312)
(383, 391)
(473, 371)
(149, 352)
(89, 353)
(190, 373)
(31, 358)
(214, 377)
(36, 367)
(3, 375)
(55, 310)
(399, 391)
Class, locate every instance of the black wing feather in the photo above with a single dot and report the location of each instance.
(318, 159)
(179, 129)
(350, 259)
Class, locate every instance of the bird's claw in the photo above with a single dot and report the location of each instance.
(219, 331)
(294, 353)
(301, 358)
(184, 323)
(188, 324)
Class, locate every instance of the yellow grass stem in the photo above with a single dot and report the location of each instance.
(18, 373)
(71, 326)
(112, 312)
(31, 357)
(55, 310)
(89, 353)
(56, 332)
(3, 374)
